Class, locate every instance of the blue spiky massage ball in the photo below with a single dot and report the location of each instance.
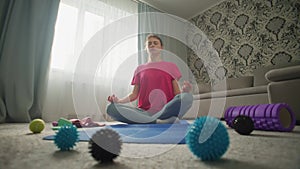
(207, 138)
(66, 138)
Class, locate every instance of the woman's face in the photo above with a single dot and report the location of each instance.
(153, 45)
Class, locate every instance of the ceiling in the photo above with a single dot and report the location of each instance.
(185, 9)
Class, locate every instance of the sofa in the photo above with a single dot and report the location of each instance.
(270, 84)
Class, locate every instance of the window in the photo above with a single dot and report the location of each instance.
(78, 21)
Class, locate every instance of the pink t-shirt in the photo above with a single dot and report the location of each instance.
(155, 81)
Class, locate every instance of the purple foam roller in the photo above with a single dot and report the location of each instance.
(271, 117)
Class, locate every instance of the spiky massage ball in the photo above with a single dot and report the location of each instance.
(207, 138)
(105, 145)
(66, 138)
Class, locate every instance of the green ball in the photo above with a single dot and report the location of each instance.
(37, 125)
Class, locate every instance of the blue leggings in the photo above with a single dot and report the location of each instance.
(178, 106)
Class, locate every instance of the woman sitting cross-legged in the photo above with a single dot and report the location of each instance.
(160, 99)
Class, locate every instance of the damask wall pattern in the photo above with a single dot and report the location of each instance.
(248, 34)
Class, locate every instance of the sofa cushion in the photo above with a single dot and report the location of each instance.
(240, 82)
(220, 86)
(281, 74)
(203, 88)
(231, 93)
(259, 74)
(230, 83)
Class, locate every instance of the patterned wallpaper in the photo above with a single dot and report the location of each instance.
(248, 34)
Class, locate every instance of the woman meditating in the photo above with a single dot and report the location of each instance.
(155, 85)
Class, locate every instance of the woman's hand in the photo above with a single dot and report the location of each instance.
(113, 99)
(186, 87)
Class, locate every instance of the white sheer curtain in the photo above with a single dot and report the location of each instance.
(174, 50)
(78, 22)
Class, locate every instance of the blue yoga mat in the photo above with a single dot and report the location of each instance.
(142, 133)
